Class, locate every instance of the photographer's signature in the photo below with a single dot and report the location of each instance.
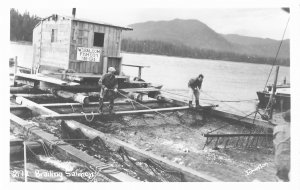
(259, 167)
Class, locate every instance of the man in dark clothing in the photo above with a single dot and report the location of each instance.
(194, 89)
(109, 86)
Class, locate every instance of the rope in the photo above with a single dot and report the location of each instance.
(29, 131)
(85, 115)
(209, 99)
(47, 152)
(237, 120)
(214, 99)
(87, 119)
(72, 108)
(165, 116)
(224, 103)
(277, 52)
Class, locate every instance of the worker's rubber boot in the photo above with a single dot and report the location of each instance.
(190, 104)
(197, 104)
(100, 106)
(111, 111)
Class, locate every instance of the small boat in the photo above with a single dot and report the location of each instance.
(282, 96)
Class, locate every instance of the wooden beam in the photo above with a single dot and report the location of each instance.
(80, 115)
(25, 89)
(34, 106)
(69, 150)
(188, 173)
(17, 146)
(221, 114)
(241, 119)
(142, 66)
(35, 95)
(127, 90)
(63, 105)
(51, 80)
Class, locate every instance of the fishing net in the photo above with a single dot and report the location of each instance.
(120, 159)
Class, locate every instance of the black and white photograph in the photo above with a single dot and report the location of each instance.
(112, 93)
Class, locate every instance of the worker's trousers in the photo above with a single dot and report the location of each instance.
(194, 94)
(106, 94)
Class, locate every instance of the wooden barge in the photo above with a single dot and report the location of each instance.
(70, 55)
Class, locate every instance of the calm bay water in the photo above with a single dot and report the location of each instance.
(223, 80)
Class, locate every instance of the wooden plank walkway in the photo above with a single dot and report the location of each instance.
(91, 104)
(45, 79)
(70, 151)
(81, 76)
(80, 115)
(128, 90)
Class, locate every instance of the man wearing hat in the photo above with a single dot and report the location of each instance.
(194, 89)
(109, 87)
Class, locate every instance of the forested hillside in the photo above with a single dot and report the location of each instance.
(21, 25)
(169, 49)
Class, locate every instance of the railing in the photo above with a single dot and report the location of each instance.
(140, 68)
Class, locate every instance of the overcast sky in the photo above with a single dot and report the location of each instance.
(257, 22)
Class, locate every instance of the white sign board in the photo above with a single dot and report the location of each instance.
(88, 54)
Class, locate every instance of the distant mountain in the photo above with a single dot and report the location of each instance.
(196, 34)
(260, 46)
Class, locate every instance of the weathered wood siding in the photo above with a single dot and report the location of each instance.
(52, 55)
(82, 35)
(36, 39)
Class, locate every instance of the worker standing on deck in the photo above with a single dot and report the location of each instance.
(109, 88)
(281, 140)
(194, 89)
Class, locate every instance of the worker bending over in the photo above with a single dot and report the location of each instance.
(109, 88)
(194, 89)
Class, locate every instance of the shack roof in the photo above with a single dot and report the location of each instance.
(89, 21)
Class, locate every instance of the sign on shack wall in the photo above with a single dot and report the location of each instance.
(88, 54)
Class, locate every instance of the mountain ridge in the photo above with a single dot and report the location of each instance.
(196, 34)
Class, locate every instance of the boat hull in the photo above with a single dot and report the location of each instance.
(283, 101)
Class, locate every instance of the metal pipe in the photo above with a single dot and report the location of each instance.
(238, 135)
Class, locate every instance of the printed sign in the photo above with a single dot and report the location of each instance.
(88, 54)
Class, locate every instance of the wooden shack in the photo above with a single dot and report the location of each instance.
(64, 43)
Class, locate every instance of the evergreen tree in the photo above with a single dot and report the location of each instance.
(21, 26)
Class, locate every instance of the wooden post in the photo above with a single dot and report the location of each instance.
(25, 162)
(16, 69)
(273, 91)
(104, 65)
(120, 66)
(140, 72)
